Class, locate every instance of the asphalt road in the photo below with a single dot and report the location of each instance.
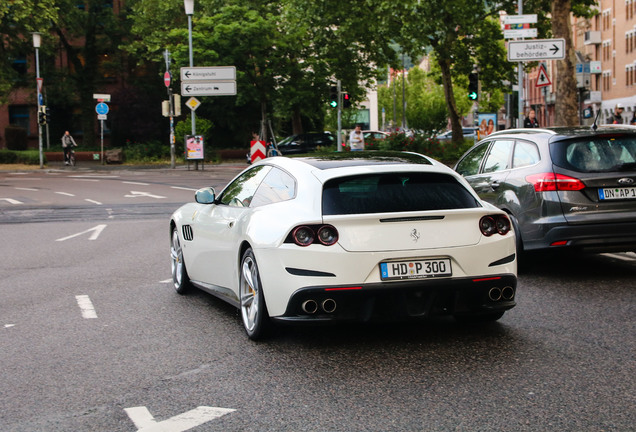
(93, 337)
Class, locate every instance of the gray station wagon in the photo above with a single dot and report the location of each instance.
(563, 187)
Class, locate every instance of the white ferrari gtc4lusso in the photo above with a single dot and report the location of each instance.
(346, 236)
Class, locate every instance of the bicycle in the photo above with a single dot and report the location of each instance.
(71, 157)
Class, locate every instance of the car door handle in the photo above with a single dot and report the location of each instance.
(230, 224)
(494, 185)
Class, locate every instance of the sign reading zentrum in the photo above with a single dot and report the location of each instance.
(538, 49)
(208, 81)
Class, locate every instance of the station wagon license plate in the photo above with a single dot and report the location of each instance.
(617, 193)
(417, 269)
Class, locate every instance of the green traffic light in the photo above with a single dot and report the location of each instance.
(333, 103)
(472, 95)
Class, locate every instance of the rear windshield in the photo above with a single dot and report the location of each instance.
(597, 154)
(394, 192)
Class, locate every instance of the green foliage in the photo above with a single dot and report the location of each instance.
(16, 137)
(146, 152)
(203, 127)
(27, 157)
(446, 152)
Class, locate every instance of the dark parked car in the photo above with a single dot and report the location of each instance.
(306, 142)
(469, 132)
(563, 187)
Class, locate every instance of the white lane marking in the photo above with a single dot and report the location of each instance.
(622, 257)
(11, 200)
(166, 281)
(26, 189)
(136, 194)
(183, 188)
(86, 306)
(92, 201)
(86, 176)
(9, 325)
(145, 422)
(97, 231)
(135, 183)
(87, 180)
(65, 193)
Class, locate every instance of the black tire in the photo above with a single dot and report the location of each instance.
(180, 279)
(254, 316)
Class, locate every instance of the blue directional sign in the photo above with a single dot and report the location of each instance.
(101, 108)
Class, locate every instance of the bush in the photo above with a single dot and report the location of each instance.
(16, 137)
(27, 157)
(151, 151)
(446, 152)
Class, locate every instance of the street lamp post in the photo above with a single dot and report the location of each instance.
(189, 10)
(37, 40)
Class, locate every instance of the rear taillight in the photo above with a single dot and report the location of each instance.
(494, 224)
(546, 182)
(305, 235)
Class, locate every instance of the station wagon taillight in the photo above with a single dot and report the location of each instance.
(546, 182)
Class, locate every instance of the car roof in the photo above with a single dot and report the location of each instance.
(566, 132)
(369, 158)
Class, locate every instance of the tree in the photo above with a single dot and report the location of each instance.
(463, 35)
(18, 18)
(566, 112)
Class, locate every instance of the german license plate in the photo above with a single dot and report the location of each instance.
(617, 193)
(417, 269)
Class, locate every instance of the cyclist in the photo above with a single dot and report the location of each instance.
(67, 143)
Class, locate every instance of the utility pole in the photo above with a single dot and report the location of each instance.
(168, 81)
(339, 140)
(520, 86)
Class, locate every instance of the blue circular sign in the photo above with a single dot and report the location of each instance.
(101, 108)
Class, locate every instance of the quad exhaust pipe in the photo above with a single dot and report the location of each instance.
(311, 306)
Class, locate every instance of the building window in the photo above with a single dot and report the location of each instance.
(19, 116)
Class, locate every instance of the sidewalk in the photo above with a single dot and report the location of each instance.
(97, 166)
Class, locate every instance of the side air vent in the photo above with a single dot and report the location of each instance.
(187, 233)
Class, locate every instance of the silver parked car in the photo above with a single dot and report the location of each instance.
(563, 187)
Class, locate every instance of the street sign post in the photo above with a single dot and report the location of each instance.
(542, 78)
(520, 33)
(209, 88)
(520, 19)
(207, 73)
(538, 49)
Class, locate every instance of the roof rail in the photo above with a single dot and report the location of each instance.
(524, 130)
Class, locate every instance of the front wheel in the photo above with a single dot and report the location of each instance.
(180, 278)
(253, 310)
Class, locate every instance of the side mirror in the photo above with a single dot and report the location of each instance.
(205, 196)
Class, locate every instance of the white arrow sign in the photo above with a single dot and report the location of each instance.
(209, 88)
(182, 422)
(539, 49)
(96, 232)
(207, 73)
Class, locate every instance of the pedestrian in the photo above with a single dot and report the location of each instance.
(617, 116)
(531, 120)
(633, 120)
(67, 143)
(356, 139)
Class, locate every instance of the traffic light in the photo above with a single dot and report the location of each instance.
(346, 100)
(473, 86)
(47, 115)
(333, 96)
(42, 115)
